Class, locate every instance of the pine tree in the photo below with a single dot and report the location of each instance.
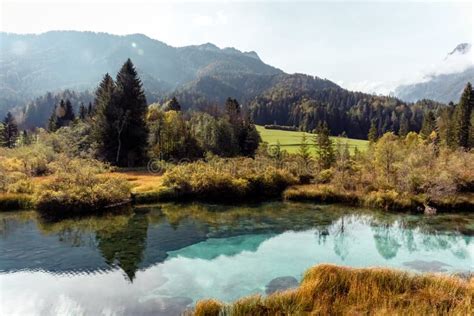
(444, 126)
(10, 131)
(103, 118)
(82, 112)
(90, 109)
(277, 154)
(53, 124)
(324, 149)
(304, 151)
(130, 108)
(373, 134)
(429, 125)
(462, 117)
(69, 115)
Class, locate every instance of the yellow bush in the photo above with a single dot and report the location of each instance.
(77, 187)
(227, 179)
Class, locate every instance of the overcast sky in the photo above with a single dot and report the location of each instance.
(370, 46)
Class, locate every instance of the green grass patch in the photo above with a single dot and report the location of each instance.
(291, 140)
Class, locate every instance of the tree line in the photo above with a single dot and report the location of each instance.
(120, 128)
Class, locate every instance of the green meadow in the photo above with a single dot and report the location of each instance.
(291, 140)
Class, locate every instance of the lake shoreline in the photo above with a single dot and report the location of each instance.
(383, 200)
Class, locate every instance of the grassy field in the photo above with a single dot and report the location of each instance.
(290, 140)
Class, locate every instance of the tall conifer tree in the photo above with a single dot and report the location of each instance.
(129, 124)
(373, 133)
(429, 125)
(102, 121)
(10, 131)
(324, 149)
(462, 117)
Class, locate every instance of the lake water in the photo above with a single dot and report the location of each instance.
(161, 259)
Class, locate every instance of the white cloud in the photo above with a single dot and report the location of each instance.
(218, 18)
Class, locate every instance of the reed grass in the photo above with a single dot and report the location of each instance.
(333, 290)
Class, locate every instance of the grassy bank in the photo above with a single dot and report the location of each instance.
(15, 201)
(332, 290)
(183, 184)
(291, 140)
(384, 199)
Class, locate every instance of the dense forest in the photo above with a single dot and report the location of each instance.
(286, 100)
(217, 152)
(346, 112)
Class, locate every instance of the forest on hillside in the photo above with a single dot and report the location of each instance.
(217, 153)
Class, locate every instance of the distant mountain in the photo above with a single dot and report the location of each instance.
(443, 87)
(216, 89)
(67, 63)
(31, 65)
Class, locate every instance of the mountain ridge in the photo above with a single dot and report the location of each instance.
(33, 64)
(442, 86)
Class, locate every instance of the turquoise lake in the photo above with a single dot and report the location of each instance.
(161, 259)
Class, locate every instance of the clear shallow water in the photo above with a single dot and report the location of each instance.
(161, 259)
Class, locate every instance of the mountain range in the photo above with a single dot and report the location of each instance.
(39, 70)
(443, 87)
(31, 65)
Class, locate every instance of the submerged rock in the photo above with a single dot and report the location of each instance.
(429, 210)
(427, 266)
(281, 284)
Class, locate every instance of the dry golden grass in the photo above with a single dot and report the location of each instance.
(332, 290)
(319, 193)
(141, 181)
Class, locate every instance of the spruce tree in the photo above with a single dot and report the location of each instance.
(324, 149)
(10, 131)
(373, 134)
(69, 115)
(130, 108)
(103, 119)
(82, 112)
(303, 150)
(462, 117)
(53, 124)
(444, 125)
(429, 125)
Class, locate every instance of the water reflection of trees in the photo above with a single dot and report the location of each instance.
(125, 247)
(122, 238)
(392, 232)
